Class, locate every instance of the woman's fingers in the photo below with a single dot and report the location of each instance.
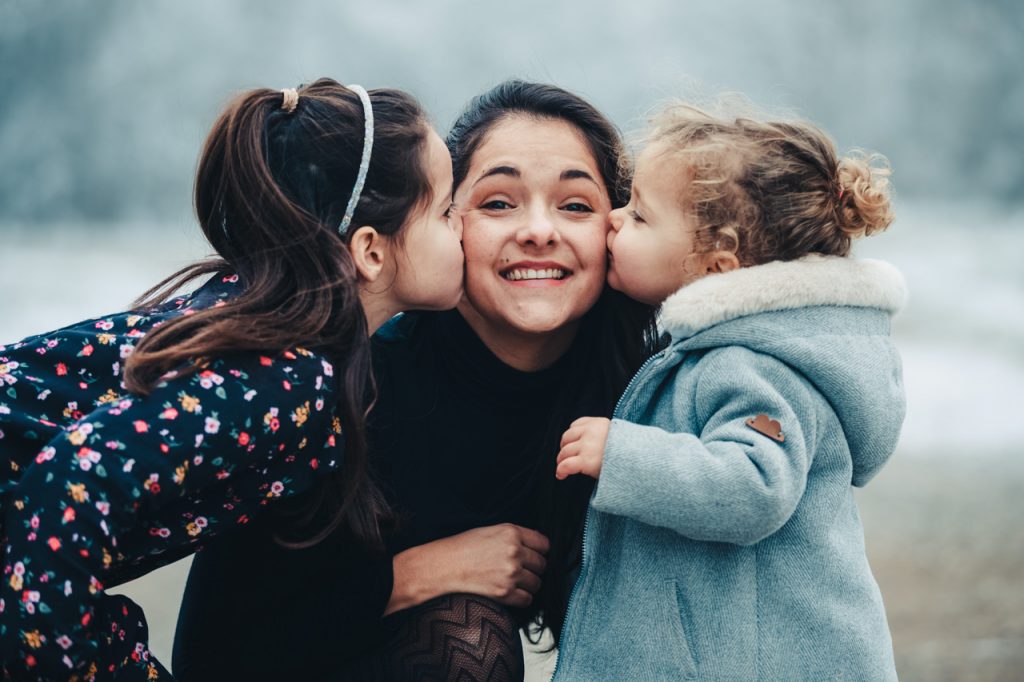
(518, 597)
(533, 561)
(528, 537)
(528, 581)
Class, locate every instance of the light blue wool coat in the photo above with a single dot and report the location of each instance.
(713, 551)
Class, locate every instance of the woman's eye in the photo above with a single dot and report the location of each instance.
(577, 207)
(497, 205)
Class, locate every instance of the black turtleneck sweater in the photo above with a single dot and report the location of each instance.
(456, 442)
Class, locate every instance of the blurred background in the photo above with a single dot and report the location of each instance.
(105, 105)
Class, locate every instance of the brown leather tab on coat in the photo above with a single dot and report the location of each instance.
(762, 423)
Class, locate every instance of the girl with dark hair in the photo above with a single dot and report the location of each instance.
(463, 436)
(132, 439)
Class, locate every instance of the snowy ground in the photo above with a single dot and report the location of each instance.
(955, 478)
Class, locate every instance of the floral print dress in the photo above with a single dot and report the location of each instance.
(99, 486)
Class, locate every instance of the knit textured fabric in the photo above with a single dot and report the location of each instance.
(453, 638)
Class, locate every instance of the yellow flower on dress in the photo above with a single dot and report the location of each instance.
(189, 403)
(106, 338)
(193, 529)
(16, 582)
(77, 492)
(132, 320)
(108, 397)
(336, 425)
(179, 473)
(33, 639)
(301, 414)
(107, 559)
(76, 437)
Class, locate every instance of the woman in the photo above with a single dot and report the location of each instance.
(471, 406)
(130, 439)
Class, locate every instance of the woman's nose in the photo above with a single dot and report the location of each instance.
(539, 230)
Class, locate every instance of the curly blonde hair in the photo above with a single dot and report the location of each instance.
(772, 190)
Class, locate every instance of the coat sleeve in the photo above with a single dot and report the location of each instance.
(728, 482)
(127, 462)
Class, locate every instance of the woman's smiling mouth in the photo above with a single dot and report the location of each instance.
(526, 272)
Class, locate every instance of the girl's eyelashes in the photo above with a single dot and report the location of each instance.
(636, 216)
(448, 211)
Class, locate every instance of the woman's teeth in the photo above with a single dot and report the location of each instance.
(529, 273)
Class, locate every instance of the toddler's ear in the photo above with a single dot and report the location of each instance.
(717, 262)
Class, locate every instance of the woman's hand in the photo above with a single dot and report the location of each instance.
(583, 447)
(502, 562)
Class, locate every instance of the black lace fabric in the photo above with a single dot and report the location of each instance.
(453, 638)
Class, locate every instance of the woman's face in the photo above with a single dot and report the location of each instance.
(535, 218)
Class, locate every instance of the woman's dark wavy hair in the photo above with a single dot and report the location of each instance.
(614, 338)
(270, 192)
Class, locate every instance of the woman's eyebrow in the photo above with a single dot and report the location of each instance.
(576, 173)
(500, 170)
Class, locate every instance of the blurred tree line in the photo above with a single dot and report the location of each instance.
(105, 103)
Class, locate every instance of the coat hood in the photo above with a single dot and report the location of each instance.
(827, 317)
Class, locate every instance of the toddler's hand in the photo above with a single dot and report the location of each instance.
(583, 447)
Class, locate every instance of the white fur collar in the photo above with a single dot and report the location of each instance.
(783, 285)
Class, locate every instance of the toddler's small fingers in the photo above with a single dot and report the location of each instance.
(580, 422)
(570, 450)
(572, 434)
(570, 466)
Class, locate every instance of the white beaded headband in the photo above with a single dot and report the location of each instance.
(364, 164)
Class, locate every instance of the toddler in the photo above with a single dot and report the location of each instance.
(723, 541)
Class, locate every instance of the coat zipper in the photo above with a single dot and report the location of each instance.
(586, 519)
